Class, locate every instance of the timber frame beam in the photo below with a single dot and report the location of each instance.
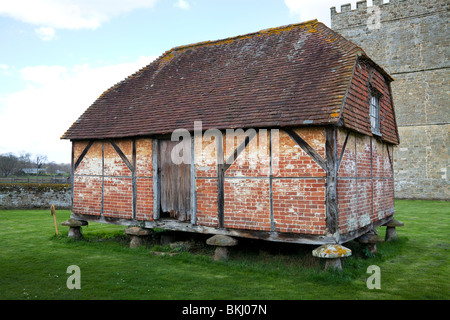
(307, 148)
(331, 186)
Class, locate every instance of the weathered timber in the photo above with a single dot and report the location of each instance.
(156, 180)
(175, 187)
(331, 187)
(220, 182)
(359, 232)
(174, 225)
(193, 206)
(342, 151)
(134, 179)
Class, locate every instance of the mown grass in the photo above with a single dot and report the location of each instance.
(34, 261)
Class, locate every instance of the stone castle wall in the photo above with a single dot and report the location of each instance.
(410, 40)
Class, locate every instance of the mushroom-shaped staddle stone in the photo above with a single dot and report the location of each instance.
(136, 234)
(74, 227)
(136, 231)
(332, 251)
(74, 223)
(394, 223)
(333, 254)
(391, 231)
(221, 241)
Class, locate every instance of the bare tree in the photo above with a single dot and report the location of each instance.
(8, 163)
(39, 161)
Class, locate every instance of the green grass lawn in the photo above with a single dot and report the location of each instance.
(33, 264)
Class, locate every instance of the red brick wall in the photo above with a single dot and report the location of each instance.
(115, 179)
(298, 199)
(118, 201)
(117, 194)
(247, 204)
(207, 202)
(144, 180)
(87, 195)
(365, 182)
(206, 180)
(299, 205)
(87, 187)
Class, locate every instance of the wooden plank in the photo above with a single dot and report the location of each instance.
(170, 224)
(272, 220)
(103, 179)
(390, 160)
(359, 232)
(307, 148)
(220, 182)
(72, 173)
(371, 172)
(134, 180)
(193, 184)
(175, 182)
(156, 179)
(331, 186)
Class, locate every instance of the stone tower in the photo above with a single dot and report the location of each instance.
(410, 40)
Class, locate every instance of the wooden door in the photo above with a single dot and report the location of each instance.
(175, 184)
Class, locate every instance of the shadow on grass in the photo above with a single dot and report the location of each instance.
(269, 258)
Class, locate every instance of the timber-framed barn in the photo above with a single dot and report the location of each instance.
(285, 134)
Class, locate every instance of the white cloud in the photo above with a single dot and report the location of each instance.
(182, 4)
(34, 118)
(45, 33)
(70, 14)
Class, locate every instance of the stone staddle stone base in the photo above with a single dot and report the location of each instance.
(222, 243)
(74, 228)
(333, 254)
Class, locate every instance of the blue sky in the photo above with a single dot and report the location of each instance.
(58, 56)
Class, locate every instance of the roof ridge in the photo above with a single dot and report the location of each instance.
(245, 36)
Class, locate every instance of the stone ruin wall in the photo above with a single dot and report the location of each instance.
(410, 40)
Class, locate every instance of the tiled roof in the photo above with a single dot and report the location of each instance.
(288, 76)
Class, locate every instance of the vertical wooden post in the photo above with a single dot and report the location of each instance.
(134, 179)
(72, 173)
(156, 179)
(220, 181)
(193, 183)
(53, 213)
(331, 186)
(272, 220)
